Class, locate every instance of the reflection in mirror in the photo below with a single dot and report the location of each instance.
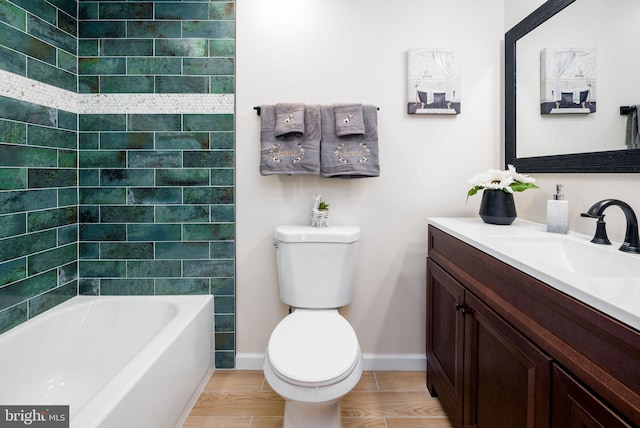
(547, 75)
(569, 36)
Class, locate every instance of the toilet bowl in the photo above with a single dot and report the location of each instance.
(313, 359)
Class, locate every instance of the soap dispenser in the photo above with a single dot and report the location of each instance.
(558, 212)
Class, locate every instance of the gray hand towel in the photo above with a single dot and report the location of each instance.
(633, 128)
(349, 119)
(291, 153)
(352, 156)
(289, 119)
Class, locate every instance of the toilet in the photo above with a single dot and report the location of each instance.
(313, 357)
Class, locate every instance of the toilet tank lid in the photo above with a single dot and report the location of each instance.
(298, 233)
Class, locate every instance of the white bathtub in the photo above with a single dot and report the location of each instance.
(118, 362)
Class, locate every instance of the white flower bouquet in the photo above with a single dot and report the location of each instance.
(509, 181)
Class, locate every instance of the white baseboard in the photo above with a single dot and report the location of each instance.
(401, 362)
(249, 361)
(383, 362)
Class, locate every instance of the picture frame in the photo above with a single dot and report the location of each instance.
(434, 83)
(568, 80)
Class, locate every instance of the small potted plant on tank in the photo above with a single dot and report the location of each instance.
(320, 212)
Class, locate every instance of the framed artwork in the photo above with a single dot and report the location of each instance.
(434, 81)
(568, 80)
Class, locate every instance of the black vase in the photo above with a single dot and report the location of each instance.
(497, 207)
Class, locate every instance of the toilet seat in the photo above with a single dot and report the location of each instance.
(313, 348)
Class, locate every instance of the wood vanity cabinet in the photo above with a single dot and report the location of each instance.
(505, 350)
(575, 407)
(492, 374)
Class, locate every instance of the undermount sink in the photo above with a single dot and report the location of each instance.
(577, 255)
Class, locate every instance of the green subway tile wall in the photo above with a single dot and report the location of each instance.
(39, 40)
(118, 203)
(156, 219)
(156, 47)
(38, 209)
(156, 190)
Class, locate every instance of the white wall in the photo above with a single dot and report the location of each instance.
(335, 51)
(582, 190)
(515, 11)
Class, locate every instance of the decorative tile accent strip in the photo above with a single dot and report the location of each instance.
(21, 88)
(156, 103)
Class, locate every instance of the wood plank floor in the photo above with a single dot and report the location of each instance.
(382, 399)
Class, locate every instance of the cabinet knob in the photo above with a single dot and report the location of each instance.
(461, 308)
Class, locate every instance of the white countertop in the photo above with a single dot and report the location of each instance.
(616, 295)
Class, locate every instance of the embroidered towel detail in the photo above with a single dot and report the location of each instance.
(349, 119)
(289, 119)
(351, 156)
(291, 153)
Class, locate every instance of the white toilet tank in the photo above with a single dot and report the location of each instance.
(317, 265)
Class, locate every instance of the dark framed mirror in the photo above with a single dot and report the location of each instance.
(615, 157)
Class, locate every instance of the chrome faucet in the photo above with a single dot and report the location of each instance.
(631, 240)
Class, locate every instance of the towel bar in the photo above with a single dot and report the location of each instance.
(257, 109)
(623, 109)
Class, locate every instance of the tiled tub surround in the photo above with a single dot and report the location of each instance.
(156, 210)
(152, 200)
(156, 201)
(106, 356)
(38, 209)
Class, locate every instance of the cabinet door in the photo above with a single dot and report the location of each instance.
(507, 378)
(575, 407)
(445, 340)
